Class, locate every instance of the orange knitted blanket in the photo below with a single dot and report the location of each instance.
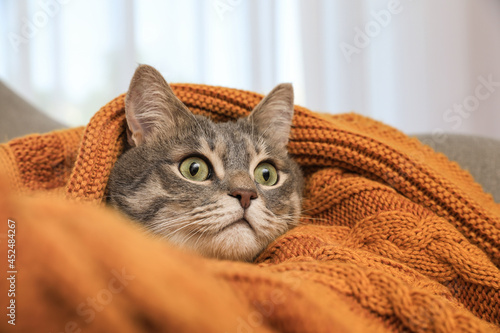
(393, 238)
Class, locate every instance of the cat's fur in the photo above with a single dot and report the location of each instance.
(228, 216)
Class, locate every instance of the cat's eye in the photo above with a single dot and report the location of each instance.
(266, 174)
(195, 168)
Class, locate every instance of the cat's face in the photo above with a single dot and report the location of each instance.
(225, 190)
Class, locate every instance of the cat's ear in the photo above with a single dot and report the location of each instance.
(273, 115)
(151, 106)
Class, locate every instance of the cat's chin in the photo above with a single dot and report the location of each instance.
(237, 241)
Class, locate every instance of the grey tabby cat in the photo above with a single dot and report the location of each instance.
(225, 190)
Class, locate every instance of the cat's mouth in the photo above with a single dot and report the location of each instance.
(238, 223)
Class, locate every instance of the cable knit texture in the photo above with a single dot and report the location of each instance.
(393, 238)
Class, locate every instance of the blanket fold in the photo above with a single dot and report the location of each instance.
(394, 237)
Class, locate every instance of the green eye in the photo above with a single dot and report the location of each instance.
(266, 174)
(195, 168)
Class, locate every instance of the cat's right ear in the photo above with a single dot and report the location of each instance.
(151, 106)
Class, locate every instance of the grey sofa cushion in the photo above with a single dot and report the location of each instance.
(18, 117)
(479, 155)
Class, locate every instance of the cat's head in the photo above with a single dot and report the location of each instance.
(225, 190)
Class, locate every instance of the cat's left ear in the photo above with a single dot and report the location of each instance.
(273, 115)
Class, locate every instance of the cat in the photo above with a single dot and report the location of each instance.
(225, 190)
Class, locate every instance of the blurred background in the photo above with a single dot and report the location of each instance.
(421, 66)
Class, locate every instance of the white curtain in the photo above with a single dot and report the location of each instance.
(421, 65)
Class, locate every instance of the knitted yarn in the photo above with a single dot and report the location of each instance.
(394, 237)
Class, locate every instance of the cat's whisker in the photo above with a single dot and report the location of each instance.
(160, 226)
(314, 219)
(305, 212)
(198, 239)
(201, 231)
(195, 212)
(191, 234)
(174, 225)
(185, 224)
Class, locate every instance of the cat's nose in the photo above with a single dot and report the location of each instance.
(244, 196)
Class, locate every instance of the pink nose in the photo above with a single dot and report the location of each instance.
(244, 196)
